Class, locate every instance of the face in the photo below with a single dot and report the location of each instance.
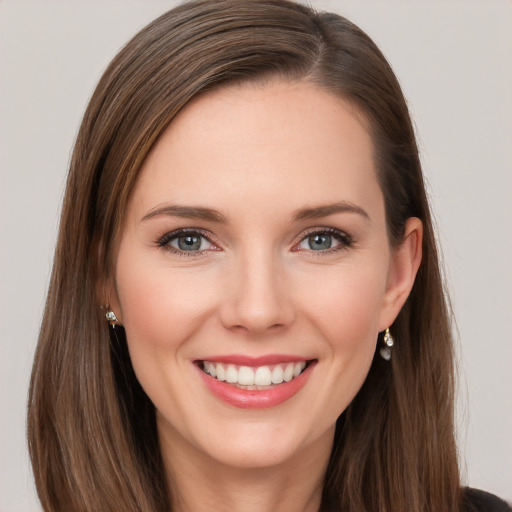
(254, 272)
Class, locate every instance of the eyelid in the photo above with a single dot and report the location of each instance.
(164, 241)
(343, 237)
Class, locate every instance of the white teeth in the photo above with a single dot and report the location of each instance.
(221, 374)
(288, 373)
(253, 378)
(246, 376)
(263, 376)
(277, 375)
(231, 374)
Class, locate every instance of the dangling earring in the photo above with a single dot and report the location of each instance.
(111, 317)
(385, 351)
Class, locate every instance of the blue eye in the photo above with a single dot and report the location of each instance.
(186, 241)
(189, 243)
(319, 242)
(325, 240)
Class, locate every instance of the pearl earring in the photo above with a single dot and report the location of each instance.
(385, 351)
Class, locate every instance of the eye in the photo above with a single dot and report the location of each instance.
(185, 241)
(324, 240)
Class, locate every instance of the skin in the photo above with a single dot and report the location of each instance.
(257, 154)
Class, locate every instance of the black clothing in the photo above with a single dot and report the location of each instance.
(479, 501)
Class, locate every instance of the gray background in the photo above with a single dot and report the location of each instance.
(454, 61)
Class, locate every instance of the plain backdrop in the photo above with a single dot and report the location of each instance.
(454, 62)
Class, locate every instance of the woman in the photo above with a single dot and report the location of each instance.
(246, 308)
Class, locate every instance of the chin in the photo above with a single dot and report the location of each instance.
(263, 453)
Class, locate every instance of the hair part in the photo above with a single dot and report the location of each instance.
(91, 428)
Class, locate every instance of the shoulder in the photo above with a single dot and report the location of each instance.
(475, 500)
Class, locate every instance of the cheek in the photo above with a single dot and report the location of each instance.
(350, 300)
(341, 312)
(346, 308)
(161, 307)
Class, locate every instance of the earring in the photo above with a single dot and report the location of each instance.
(111, 317)
(385, 351)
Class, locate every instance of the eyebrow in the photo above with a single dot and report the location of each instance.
(329, 209)
(209, 214)
(188, 212)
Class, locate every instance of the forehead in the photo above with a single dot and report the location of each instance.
(265, 143)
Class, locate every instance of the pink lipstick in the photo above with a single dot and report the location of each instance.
(260, 382)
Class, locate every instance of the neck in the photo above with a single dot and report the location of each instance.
(200, 484)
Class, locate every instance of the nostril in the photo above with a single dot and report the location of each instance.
(256, 303)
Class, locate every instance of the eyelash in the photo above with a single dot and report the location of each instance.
(169, 237)
(344, 239)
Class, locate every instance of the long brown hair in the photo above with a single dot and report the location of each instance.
(91, 428)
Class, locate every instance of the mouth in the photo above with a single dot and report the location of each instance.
(254, 377)
(253, 384)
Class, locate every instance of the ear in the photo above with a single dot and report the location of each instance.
(104, 284)
(404, 264)
(107, 298)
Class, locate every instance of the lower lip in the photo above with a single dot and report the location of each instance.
(256, 399)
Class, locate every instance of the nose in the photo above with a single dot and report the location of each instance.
(258, 299)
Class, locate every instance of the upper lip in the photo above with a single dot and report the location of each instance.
(245, 360)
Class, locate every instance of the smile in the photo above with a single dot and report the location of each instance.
(254, 378)
(251, 383)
